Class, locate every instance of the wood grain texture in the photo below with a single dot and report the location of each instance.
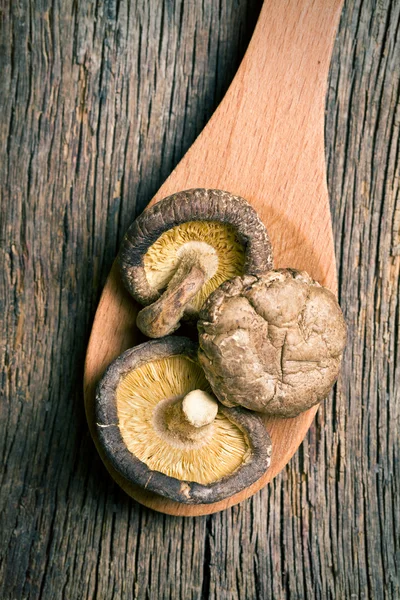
(78, 161)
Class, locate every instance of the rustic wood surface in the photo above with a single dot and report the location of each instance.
(98, 103)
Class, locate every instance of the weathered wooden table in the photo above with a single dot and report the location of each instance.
(99, 101)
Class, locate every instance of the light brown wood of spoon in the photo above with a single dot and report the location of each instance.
(265, 142)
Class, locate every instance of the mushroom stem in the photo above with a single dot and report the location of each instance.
(188, 419)
(199, 408)
(162, 317)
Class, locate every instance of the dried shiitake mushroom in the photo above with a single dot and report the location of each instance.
(272, 343)
(182, 248)
(161, 427)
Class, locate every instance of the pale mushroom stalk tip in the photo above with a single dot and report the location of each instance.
(199, 408)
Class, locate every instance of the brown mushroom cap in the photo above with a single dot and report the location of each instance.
(130, 421)
(183, 247)
(272, 343)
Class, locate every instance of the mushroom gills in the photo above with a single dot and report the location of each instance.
(187, 263)
(167, 419)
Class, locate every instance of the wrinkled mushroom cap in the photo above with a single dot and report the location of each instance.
(205, 217)
(137, 404)
(272, 343)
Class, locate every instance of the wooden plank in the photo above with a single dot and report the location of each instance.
(99, 102)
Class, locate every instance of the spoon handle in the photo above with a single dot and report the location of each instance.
(265, 141)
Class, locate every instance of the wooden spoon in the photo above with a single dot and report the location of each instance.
(265, 142)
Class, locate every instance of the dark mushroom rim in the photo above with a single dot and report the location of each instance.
(191, 205)
(136, 471)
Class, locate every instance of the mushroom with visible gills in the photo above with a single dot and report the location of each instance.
(272, 343)
(183, 247)
(161, 428)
